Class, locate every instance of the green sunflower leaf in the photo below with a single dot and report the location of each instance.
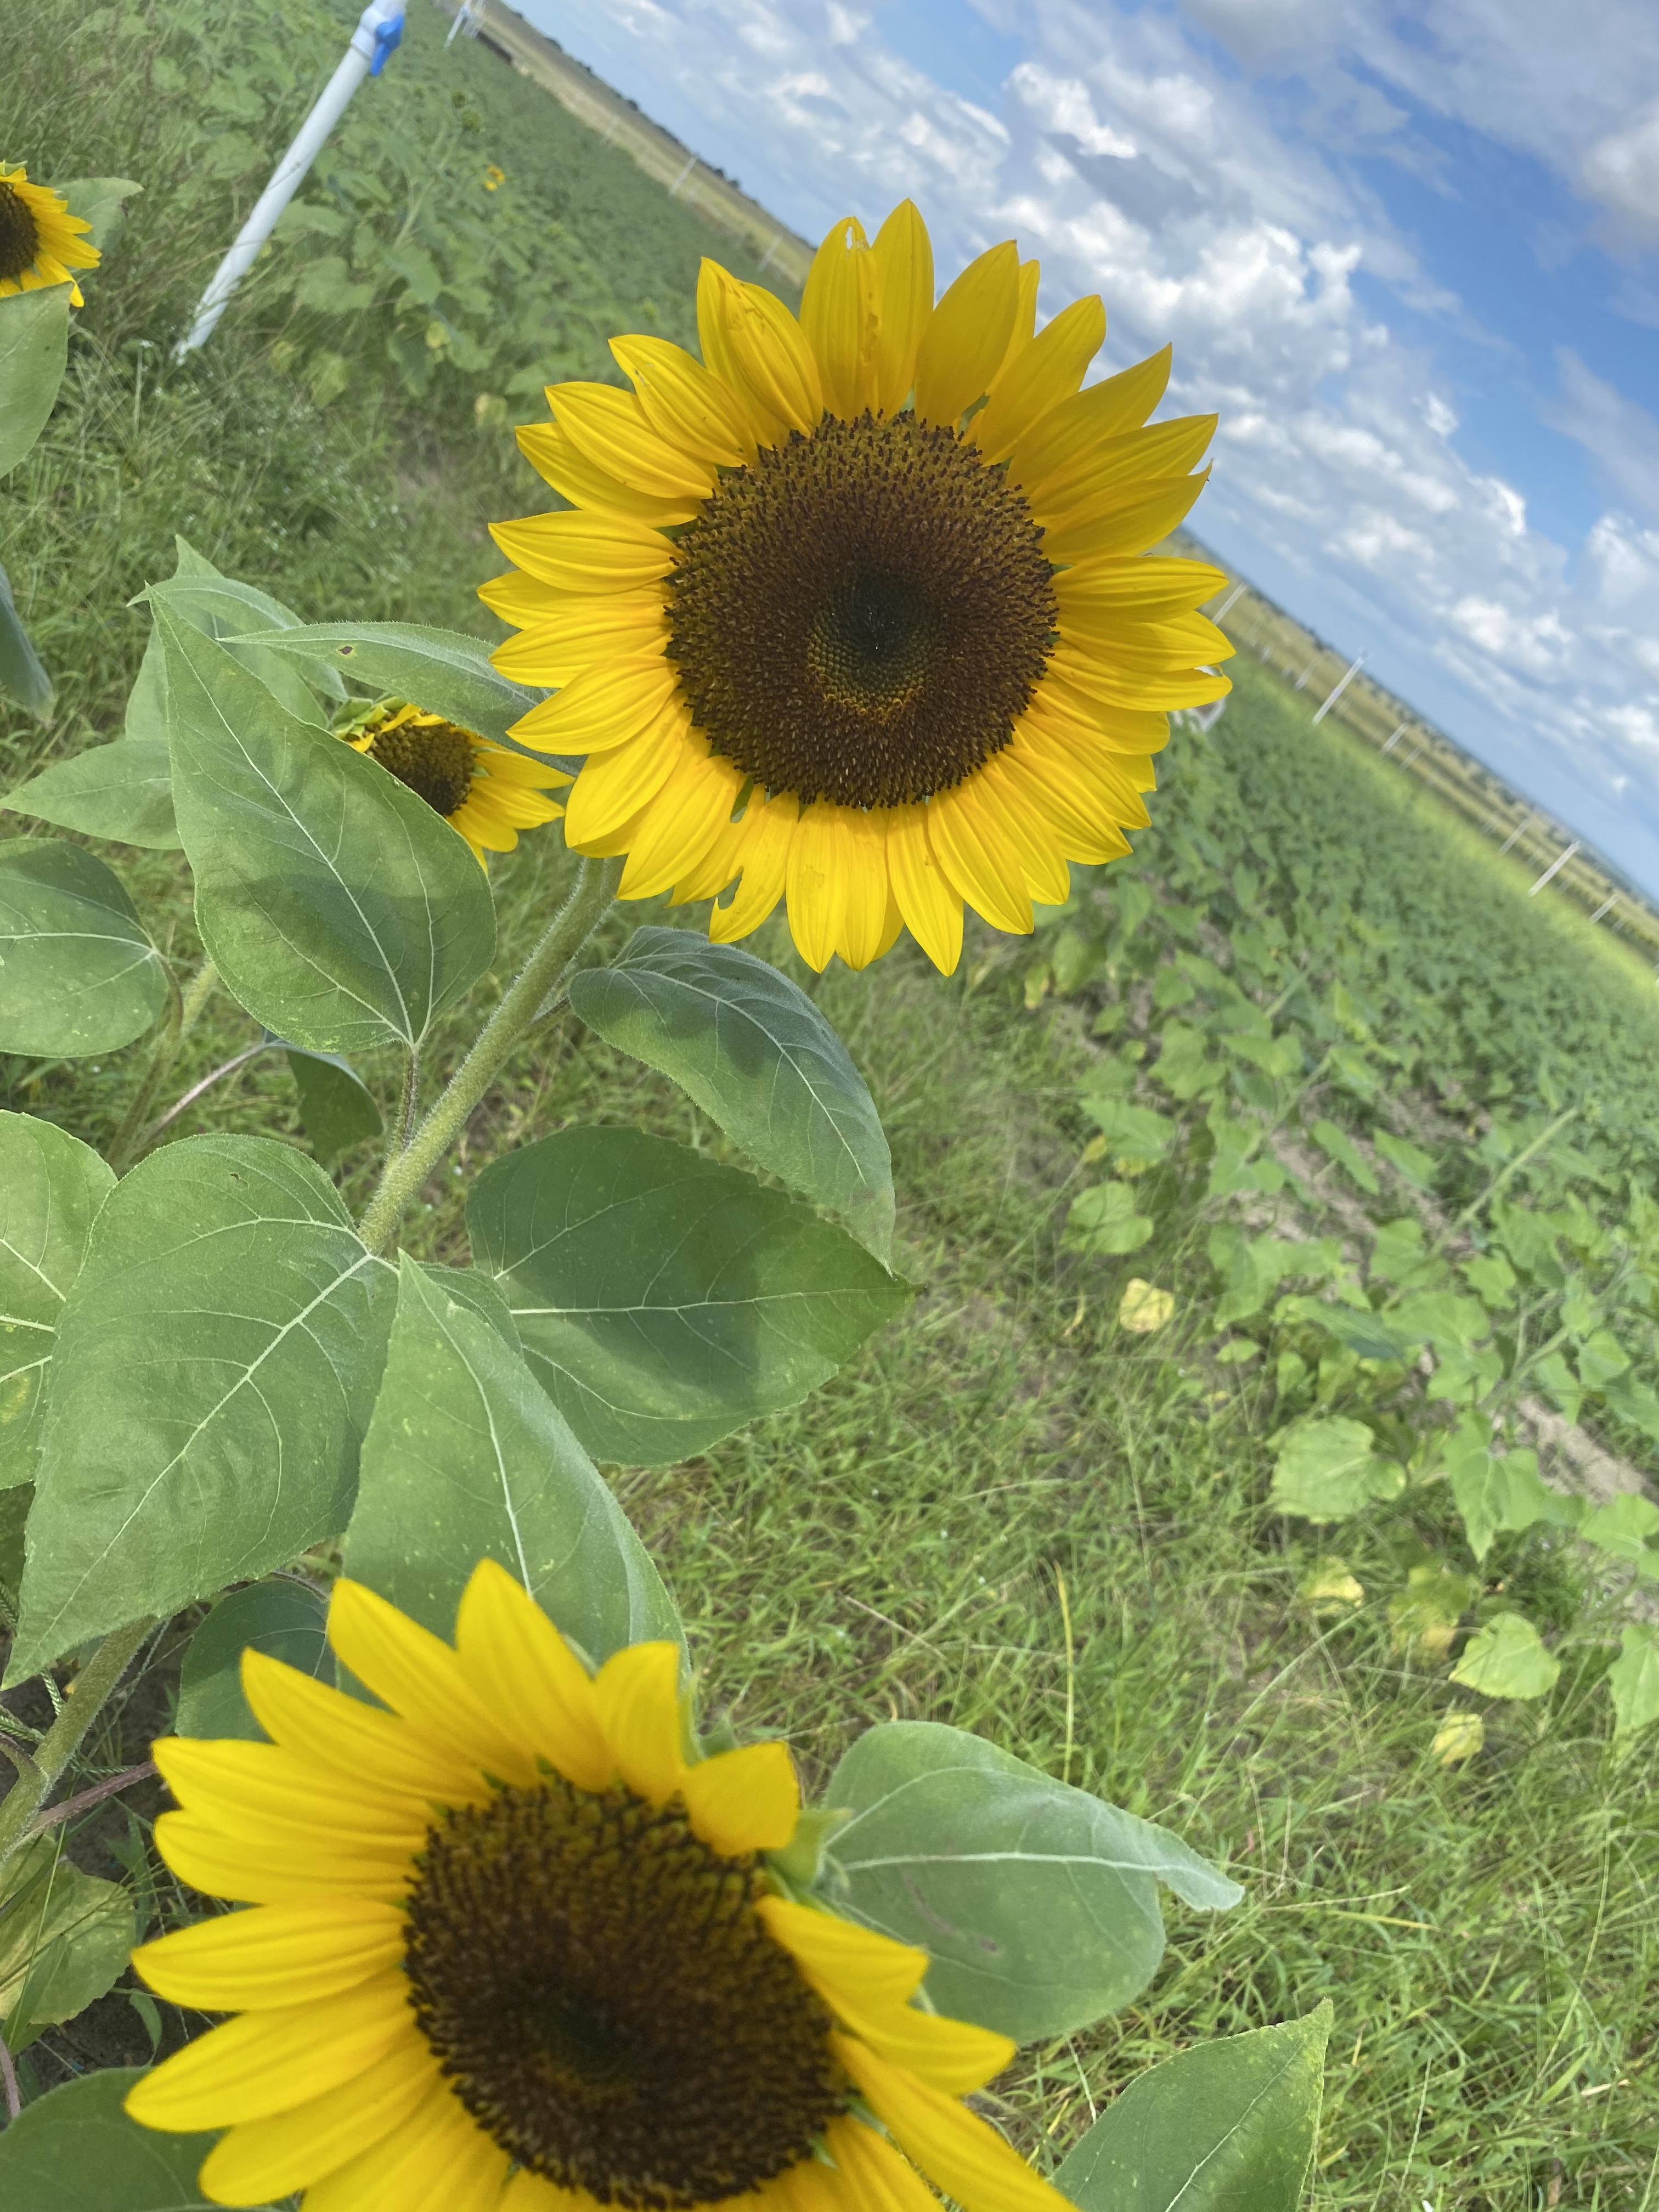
(1218, 2128)
(101, 201)
(342, 912)
(281, 1616)
(122, 791)
(1037, 1902)
(664, 1300)
(64, 1938)
(81, 975)
(51, 1189)
(21, 676)
(76, 2150)
(442, 670)
(468, 1458)
(33, 353)
(216, 1365)
(755, 1053)
(335, 1105)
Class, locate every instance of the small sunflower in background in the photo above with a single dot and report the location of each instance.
(508, 1945)
(485, 791)
(494, 177)
(40, 241)
(856, 613)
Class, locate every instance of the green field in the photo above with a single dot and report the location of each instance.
(1387, 1132)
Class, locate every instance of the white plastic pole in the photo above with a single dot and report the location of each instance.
(1555, 866)
(377, 32)
(1605, 906)
(1236, 592)
(1520, 826)
(1341, 685)
(1395, 738)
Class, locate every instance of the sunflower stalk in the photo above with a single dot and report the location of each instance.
(408, 1167)
(94, 1687)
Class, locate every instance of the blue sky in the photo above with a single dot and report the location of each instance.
(1407, 249)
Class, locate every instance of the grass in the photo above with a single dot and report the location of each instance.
(896, 1546)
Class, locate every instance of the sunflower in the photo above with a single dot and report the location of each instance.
(854, 611)
(40, 241)
(486, 791)
(510, 1945)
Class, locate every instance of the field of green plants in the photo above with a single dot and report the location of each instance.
(1269, 1444)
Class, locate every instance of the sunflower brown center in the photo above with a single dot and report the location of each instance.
(599, 1989)
(434, 759)
(864, 615)
(20, 235)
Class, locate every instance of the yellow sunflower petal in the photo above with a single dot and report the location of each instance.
(952, 2055)
(637, 1698)
(714, 287)
(838, 317)
(265, 2062)
(1086, 830)
(931, 909)
(531, 1678)
(614, 785)
(869, 896)
(1026, 829)
(418, 1675)
(816, 2185)
(1073, 700)
(1161, 506)
(275, 1954)
(610, 427)
(1097, 775)
(261, 2160)
(1097, 599)
(958, 2151)
(440, 2161)
(978, 860)
(707, 878)
(771, 354)
(1106, 472)
(743, 1801)
(581, 635)
(1030, 278)
(1107, 409)
(685, 402)
(376, 1750)
(765, 856)
(559, 461)
(522, 600)
(580, 552)
(681, 823)
(843, 1961)
(289, 1864)
(602, 707)
(242, 1787)
(903, 256)
(877, 2178)
(821, 858)
(1042, 374)
(967, 335)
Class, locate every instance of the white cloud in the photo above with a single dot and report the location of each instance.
(1622, 437)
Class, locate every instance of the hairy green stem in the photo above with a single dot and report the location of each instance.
(21, 1807)
(183, 1014)
(526, 996)
(409, 1105)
